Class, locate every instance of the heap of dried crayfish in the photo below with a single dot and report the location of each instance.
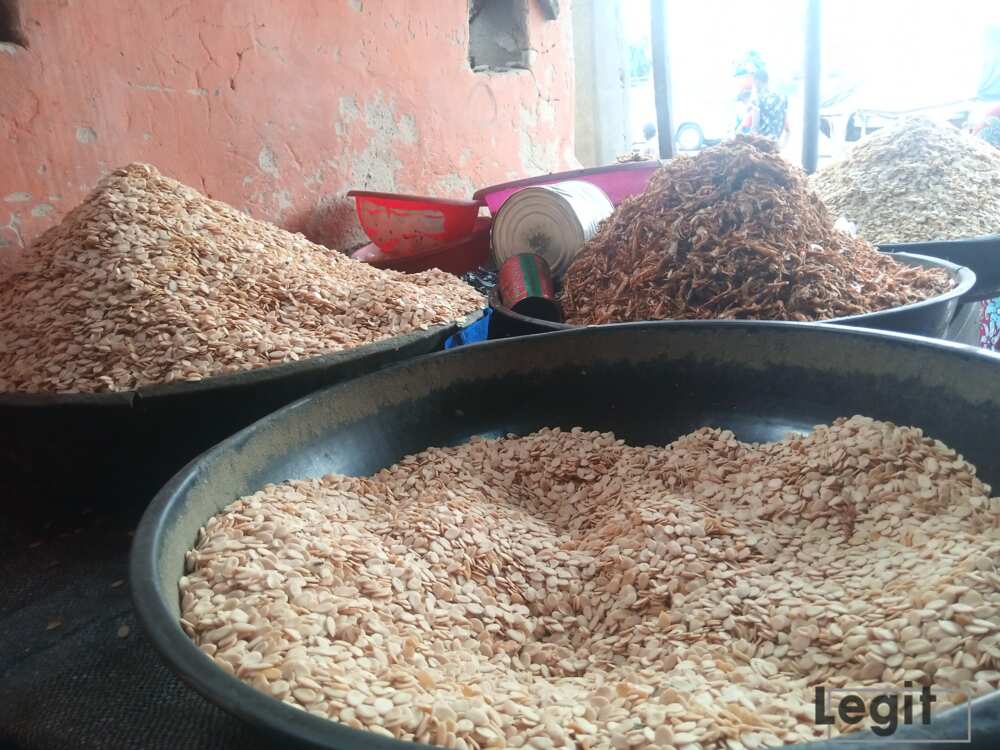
(734, 232)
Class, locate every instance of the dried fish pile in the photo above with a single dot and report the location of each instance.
(564, 590)
(147, 281)
(916, 182)
(733, 232)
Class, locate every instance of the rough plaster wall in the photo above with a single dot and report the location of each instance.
(585, 83)
(602, 81)
(277, 108)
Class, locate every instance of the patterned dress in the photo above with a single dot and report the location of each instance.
(990, 130)
(771, 119)
(989, 325)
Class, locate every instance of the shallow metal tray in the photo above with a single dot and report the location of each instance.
(979, 254)
(647, 382)
(930, 317)
(113, 450)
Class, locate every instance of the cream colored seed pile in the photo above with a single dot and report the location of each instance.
(917, 181)
(147, 281)
(566, 590)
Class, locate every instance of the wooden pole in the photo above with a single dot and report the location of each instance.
(661, 77)
(810, 124)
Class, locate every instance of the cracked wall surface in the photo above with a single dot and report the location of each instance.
(276, 108)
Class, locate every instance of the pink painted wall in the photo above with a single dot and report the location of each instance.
(278, 108)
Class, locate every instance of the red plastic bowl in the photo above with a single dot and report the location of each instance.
(466, 254)
(403, 225)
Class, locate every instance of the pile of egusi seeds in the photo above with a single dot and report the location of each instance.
(565, 590)
(917, 181)
(148, 281)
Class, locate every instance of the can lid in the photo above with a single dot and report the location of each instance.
(553, 221)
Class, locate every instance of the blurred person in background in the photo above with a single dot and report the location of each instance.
(744, 110)
(769, 110)
(744, 72)
(650, 147)
(989, 323)
(647, 148)
(989, 128)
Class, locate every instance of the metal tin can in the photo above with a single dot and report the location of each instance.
(554, 221)
(525, 284)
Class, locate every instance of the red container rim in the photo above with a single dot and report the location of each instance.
(420, 198)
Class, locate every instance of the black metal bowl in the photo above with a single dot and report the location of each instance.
(929, 317)
(647, 382)
(115, 450)
(980, 254)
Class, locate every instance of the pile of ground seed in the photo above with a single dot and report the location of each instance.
(917, 181)
(564, 589)
(147, 281)
(734, 232)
